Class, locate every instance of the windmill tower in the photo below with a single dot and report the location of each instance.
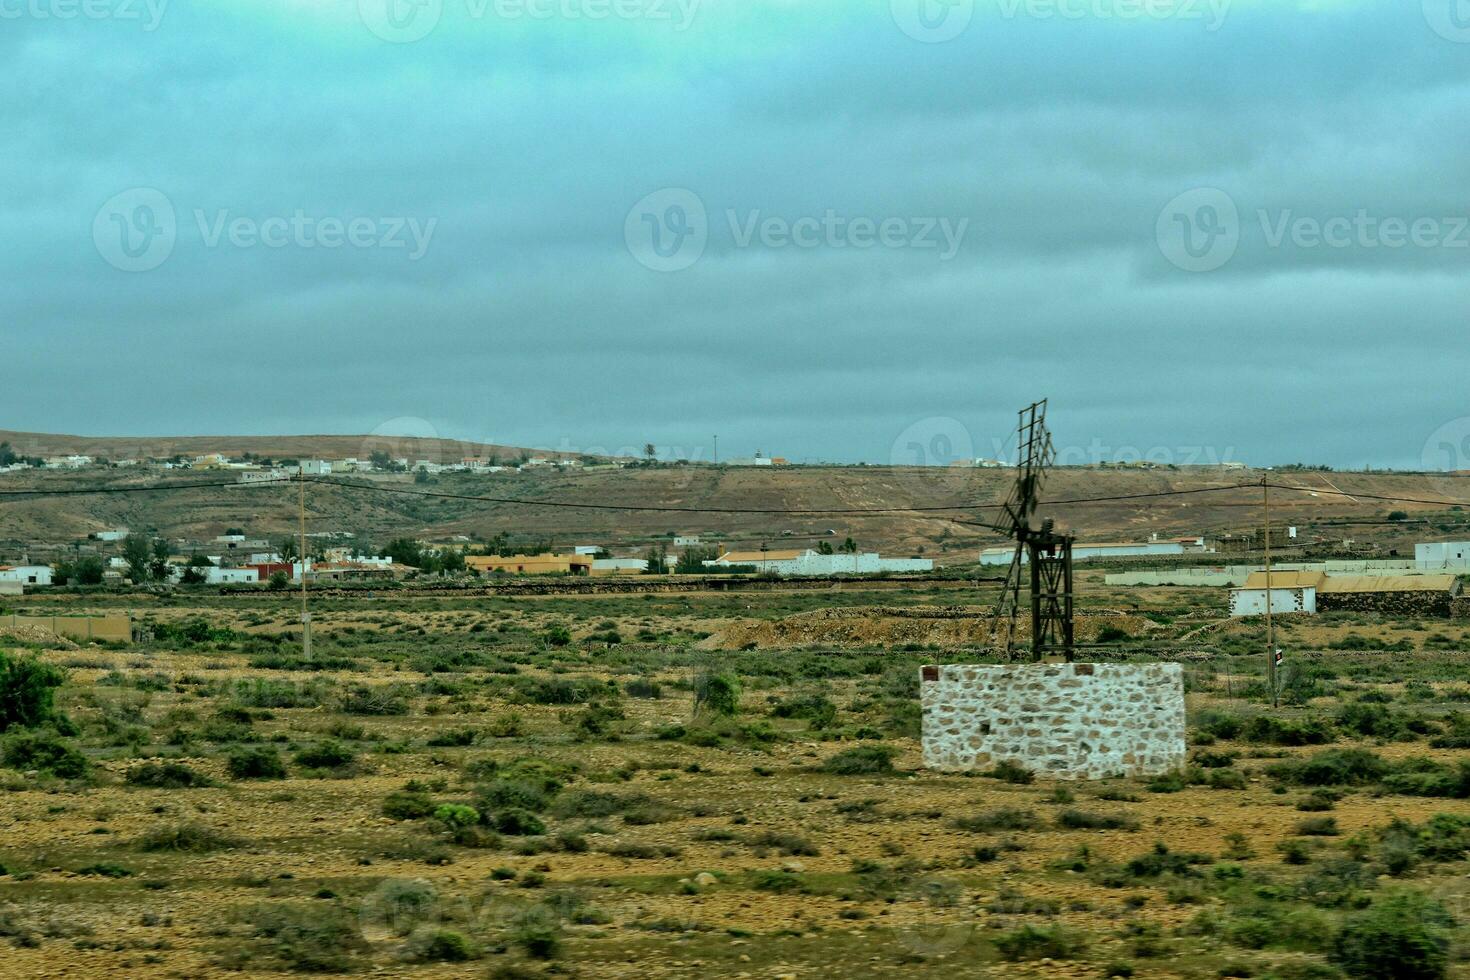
(1048, 553)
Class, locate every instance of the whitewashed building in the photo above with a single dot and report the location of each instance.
(1442, 554)
(26, 574)
(809, 562)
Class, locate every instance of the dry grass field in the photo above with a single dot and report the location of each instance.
(526, 787)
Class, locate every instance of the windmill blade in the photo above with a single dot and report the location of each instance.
(1007, 608)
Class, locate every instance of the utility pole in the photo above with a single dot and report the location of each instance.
(305, 615)
(717, 450)
(1270, 627)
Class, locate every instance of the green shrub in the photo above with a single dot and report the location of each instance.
(310, 939)
(1333, 767)
(862, 760)
(261, 763)
(1038, 942)
(516, 822)
(1006, 818)
(407, 805)
(719, 694)
(1082, 820)
(815, 708)
(373, 702)
(1317, 827)
(166, 775)
(1008, 771)
(187, 837)
(1271, 730)
(440, 946)
(27, 691)
(44, 752)
(456, 815)
(1404, 936)
(330, 754)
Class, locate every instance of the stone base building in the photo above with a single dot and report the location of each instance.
(1064, 721)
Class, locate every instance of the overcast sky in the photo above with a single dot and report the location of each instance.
(846, 230)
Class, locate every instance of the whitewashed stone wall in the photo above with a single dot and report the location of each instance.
(1065, 721)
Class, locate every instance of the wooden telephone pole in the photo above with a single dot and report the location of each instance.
(1270, 627)
(305, 614)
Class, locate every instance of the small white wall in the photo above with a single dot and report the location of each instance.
(231, 576)
(27, 574)
(1252, 602)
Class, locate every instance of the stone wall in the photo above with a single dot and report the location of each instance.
(1460, 607)
(1433, 602)
(1065, 721)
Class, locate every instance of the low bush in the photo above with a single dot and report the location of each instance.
(515, 822)
(407, 805)
(1082, 820)
(166, 775)
(261, 763)
(439, 946)
(1011, 772)
(1333, 767)
(27, 691)
(187, 837)
(1031, 942)
(330, 754)
(302, 939)
(1006, 818)
(862, 760)
(44, 752)
(1404, 935)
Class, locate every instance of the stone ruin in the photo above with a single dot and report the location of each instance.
(1062, 721)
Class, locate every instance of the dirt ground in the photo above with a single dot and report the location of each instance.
(649, 838)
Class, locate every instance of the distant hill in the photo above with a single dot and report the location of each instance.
(277, 447)
(710, 491)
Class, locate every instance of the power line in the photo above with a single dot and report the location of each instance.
(794, 512)
(153, 488)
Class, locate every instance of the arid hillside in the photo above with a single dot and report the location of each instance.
(738, 506)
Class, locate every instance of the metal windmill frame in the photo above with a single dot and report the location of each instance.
(1048, 553)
